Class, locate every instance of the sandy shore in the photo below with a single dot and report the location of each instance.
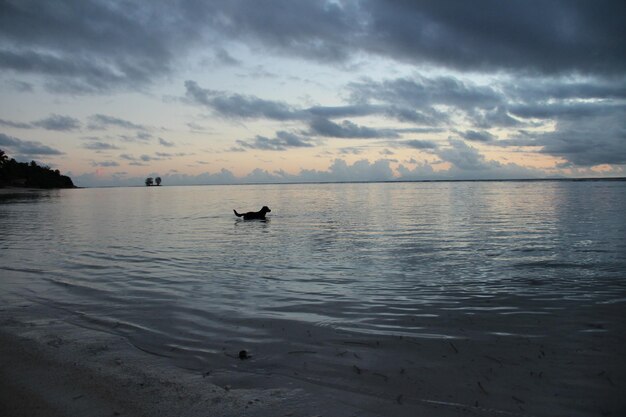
(49, 367)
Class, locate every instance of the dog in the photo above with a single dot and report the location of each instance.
(254, 215)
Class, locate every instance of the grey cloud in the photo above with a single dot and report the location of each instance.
(534, 36)
(478, 136)
(564, 110)
(53, 122)
(351, 110)
(557, 36)
(419, 144)
(350, 151)
(128, 46)
(27, 147)
(21, 86)
(166, 143)
(237, 105)
(421, 92)
(102, 121)
(59, 123)
(496, 117)
(133, 45)
(143, 136)
(463, 156)
(99, 146)
(17, 125)
(282, 141)
(105, 164)
(585, 143)
(224, 58)
(347, 129)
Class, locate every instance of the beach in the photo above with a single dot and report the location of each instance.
(52, 368)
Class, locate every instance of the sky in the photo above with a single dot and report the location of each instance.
(220, 92)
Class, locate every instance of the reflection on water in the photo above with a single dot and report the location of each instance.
(172, 269)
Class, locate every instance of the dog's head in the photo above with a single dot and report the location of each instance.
(266, 209)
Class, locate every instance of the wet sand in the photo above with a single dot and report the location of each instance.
(49, 367)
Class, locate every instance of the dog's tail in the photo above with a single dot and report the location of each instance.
(237, 214)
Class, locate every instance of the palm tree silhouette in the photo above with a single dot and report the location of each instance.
(3, 158)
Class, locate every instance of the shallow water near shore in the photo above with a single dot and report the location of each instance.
(369, 289)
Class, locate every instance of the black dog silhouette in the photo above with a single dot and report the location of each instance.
(254, 215)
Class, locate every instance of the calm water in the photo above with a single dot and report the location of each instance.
(175, 272)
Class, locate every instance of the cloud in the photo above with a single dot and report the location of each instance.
(478, 136)
(420, 91)
(237, 105)
(536, 37)
(53, 122)
(584, 143)
(166, 143)
(132, 46)
(419, 144)
(282, 141)
(21, 86)
(26, 147)
(223, 57)
(16, 125)
(99, 146)
(105, 164)
(102, 122)
(127, 47)
(347, 129)
(59, 123)
(464, 156)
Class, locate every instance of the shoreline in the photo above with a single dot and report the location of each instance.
(51, 367)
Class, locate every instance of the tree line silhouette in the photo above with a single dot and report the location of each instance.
(24, 174)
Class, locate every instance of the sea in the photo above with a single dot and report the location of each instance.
(335, 270)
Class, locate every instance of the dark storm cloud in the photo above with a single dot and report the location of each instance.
(538, 36)
(586, 143)
(27, 147)
(59, 123)
(98, 45)
(89, 46)
(282, 142)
